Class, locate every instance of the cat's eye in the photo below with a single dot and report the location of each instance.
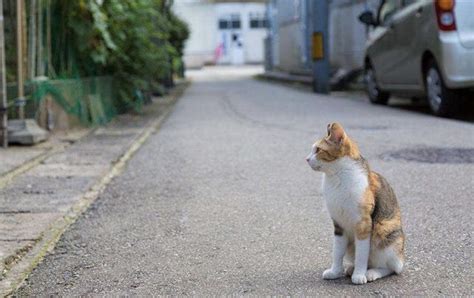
(317, 150)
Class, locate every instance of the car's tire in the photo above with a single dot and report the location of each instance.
(376, 96)
(441, 99)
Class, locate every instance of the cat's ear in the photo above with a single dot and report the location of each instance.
(336, 133)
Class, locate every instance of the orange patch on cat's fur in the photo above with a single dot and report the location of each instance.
(337, 144)
(347, 147)
(374, 182)
(364, 226)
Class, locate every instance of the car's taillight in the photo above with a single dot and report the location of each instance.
(445, 15)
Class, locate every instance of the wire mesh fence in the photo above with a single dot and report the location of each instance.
(92, 100)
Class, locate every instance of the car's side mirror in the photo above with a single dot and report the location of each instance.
(367, 17)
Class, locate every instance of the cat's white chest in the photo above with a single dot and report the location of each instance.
(343, 194)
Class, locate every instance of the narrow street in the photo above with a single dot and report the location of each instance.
(221, 201)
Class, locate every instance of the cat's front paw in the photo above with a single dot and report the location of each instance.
(332, 274)
(359, 279)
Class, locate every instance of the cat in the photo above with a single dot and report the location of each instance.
(367, 224)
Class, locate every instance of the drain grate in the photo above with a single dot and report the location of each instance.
(433, 155)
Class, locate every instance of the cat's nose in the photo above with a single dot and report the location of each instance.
(307, 159)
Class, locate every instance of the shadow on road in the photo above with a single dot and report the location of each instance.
(464, 113)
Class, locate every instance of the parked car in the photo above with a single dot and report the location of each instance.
(421, 48)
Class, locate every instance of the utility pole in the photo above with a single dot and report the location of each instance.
(3, 85)
(320, 45)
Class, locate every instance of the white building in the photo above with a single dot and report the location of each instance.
(223, 32)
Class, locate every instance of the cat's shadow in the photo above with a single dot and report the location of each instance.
(312, 281)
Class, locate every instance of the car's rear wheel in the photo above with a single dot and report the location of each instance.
(441, 99)
(376, 95)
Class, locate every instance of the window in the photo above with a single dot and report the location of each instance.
(229, 22)
(387, 10)
(409, 2)
(223, 24)
(258, 20)
(236, 24)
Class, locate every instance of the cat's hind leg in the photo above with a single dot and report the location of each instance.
(396, 264)
(384, 263)
(376, 273)
(349, 259)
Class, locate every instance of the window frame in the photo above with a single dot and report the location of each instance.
(387, 20)
(258, 20)
(232, 22)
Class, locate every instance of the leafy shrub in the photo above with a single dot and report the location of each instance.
(139, 42)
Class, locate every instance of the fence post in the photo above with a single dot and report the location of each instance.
(20, 101)
(3, 84)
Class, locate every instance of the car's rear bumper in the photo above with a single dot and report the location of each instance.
(457, 62)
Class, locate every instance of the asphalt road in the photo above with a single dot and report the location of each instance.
(221, 200)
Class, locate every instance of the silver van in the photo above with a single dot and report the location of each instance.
(421, 48)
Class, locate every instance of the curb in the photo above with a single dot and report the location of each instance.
(21, 270)
(343, 86)
(287, 78)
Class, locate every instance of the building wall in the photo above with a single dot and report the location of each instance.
(348, 36)
(201, 18)
(254, 37)
(290, 34)
(250, 38)
(208, 44)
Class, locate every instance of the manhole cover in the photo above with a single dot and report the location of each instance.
(433, 155)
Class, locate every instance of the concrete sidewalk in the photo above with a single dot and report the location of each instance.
(53, 184)
(17, 159)
(14, 157)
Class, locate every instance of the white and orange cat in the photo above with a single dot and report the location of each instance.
(363, 207)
